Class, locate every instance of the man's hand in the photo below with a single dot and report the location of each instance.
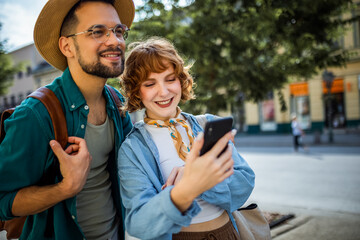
(74, 164)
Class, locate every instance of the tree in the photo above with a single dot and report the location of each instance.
(7, 69)
(248, 48)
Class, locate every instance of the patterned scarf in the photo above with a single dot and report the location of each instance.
(181, 148)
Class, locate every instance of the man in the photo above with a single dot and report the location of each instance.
(85, 39)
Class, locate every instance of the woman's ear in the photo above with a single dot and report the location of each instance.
(66, 46)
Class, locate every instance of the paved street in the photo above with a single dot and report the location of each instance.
(320, 187)
(323, 183)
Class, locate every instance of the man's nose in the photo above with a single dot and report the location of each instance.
(113, 40)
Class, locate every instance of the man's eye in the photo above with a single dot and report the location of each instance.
(119, 31)
(98, 32)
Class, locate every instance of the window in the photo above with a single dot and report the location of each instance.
(300, 103)
(13, 101)
(28, 71)
(20, 75)
(21, 97)
(267, 113)
(356, 28)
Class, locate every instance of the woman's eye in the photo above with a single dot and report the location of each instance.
(148, 84)
(171, 80)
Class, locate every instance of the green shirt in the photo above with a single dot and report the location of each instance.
(25, 155)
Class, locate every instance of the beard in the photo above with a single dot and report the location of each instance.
(99, 69)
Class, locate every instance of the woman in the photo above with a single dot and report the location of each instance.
(168, 190)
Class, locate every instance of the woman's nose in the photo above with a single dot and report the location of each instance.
(163, 90)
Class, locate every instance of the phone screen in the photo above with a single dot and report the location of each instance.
(214, 130)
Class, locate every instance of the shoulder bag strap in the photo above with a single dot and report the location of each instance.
(7, 113)
(115, 97)
(52, 103)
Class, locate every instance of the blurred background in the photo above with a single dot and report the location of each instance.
(260, 61)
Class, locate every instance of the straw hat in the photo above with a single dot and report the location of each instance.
(48, 25)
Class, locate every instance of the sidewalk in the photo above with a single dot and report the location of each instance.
(286, 140)
(318, 225)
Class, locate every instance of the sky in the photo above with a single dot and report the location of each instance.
(18, 18)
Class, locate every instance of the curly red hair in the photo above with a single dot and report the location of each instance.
(152, 55)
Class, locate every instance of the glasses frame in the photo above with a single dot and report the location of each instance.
(123, 26)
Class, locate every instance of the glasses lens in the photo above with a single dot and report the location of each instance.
(121, 31)
(99, 32)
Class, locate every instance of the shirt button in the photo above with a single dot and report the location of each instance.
(86, 107)
(73, 106)
(73, 217)
(82, 126)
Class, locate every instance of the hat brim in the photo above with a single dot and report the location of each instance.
(48, 26)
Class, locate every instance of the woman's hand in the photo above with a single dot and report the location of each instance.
(202, 172)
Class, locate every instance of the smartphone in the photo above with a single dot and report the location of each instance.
(214, 130)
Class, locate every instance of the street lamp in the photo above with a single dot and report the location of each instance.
(328, 78)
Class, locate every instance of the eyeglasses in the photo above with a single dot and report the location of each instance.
(101, 33)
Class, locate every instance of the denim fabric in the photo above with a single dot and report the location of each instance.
(150, 212)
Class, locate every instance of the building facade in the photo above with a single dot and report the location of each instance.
(316, 108)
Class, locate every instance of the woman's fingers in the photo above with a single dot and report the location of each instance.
(172, 177)
(196, 147)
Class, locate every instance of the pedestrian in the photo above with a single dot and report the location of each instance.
(168, 190)
(86, 40)
(297, 133)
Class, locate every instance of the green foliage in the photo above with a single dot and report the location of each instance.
(7, 69)
(250, 47)
(114, 82)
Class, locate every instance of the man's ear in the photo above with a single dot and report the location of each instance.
(66, 46)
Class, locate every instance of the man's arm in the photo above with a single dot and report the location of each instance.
(74, 167)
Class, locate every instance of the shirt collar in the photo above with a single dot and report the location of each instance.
(75, 98)
(72, 93)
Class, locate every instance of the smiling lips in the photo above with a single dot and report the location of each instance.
(164, 104)
(111, 55)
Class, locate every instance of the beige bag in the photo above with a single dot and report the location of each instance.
(251, 223)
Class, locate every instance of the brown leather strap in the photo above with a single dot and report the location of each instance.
(52, 103)
(4, 116)
(115, 97)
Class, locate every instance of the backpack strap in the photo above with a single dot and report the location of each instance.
(115, 97)
(54, 108)
(7, 113)
(52, 104)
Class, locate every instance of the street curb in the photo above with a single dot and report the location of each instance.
(289, 225)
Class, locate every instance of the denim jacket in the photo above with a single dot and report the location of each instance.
(150, 212)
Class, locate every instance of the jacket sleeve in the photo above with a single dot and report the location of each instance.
(233, 192)
(23, 155)
(146, 205)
